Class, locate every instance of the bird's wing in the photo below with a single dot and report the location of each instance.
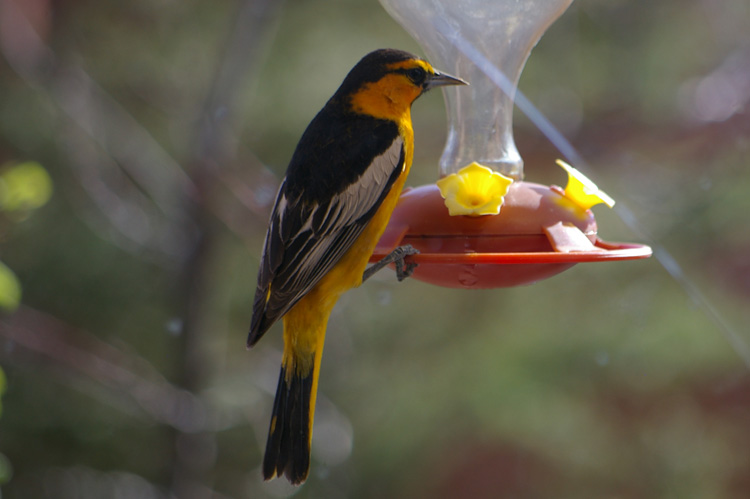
(306, 240)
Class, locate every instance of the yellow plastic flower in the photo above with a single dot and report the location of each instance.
(475, 190)
(582, 191)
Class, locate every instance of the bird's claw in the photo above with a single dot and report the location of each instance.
(398, 256)
(404, 269)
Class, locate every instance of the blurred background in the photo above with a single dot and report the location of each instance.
(141, 144)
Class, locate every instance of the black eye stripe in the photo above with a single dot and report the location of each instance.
(416, 74)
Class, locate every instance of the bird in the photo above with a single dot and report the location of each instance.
(340, 188)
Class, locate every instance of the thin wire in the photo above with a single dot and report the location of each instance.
(740, 345)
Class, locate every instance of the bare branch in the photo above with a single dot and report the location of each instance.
(127, 374)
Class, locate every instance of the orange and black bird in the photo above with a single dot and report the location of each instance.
(340, 188)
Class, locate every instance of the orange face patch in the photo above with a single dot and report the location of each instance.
(392, 95)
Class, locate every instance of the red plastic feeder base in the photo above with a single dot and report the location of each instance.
(537, 234)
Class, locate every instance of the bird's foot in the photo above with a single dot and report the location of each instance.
(398, 256)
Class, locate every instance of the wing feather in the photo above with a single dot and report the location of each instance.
(306, 239)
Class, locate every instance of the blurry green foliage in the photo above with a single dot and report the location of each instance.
(3, 384)
(10, 289)
(6, 470)
(606, 381)
(24, 187)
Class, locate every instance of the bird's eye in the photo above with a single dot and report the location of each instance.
(416, 75)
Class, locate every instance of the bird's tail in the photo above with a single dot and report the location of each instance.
(290, 433)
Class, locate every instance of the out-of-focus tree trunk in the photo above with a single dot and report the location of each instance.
(195, 452)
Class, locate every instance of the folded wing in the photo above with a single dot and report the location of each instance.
(309, 233)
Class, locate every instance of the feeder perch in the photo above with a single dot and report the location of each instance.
(481, 225)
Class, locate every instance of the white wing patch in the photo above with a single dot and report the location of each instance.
(360, 197)
(321, 238)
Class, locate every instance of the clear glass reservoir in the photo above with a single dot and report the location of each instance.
(471, 39)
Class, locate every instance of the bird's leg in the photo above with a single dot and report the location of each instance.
(397, 256)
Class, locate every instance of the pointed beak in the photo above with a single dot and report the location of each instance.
(442, 79)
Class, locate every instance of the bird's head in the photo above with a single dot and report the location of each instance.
(386, 82)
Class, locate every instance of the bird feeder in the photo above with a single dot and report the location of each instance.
(481, 225)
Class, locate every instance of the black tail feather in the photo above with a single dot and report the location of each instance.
(288, 446)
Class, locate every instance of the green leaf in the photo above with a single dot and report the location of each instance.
(24, 187)
(10, 289)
